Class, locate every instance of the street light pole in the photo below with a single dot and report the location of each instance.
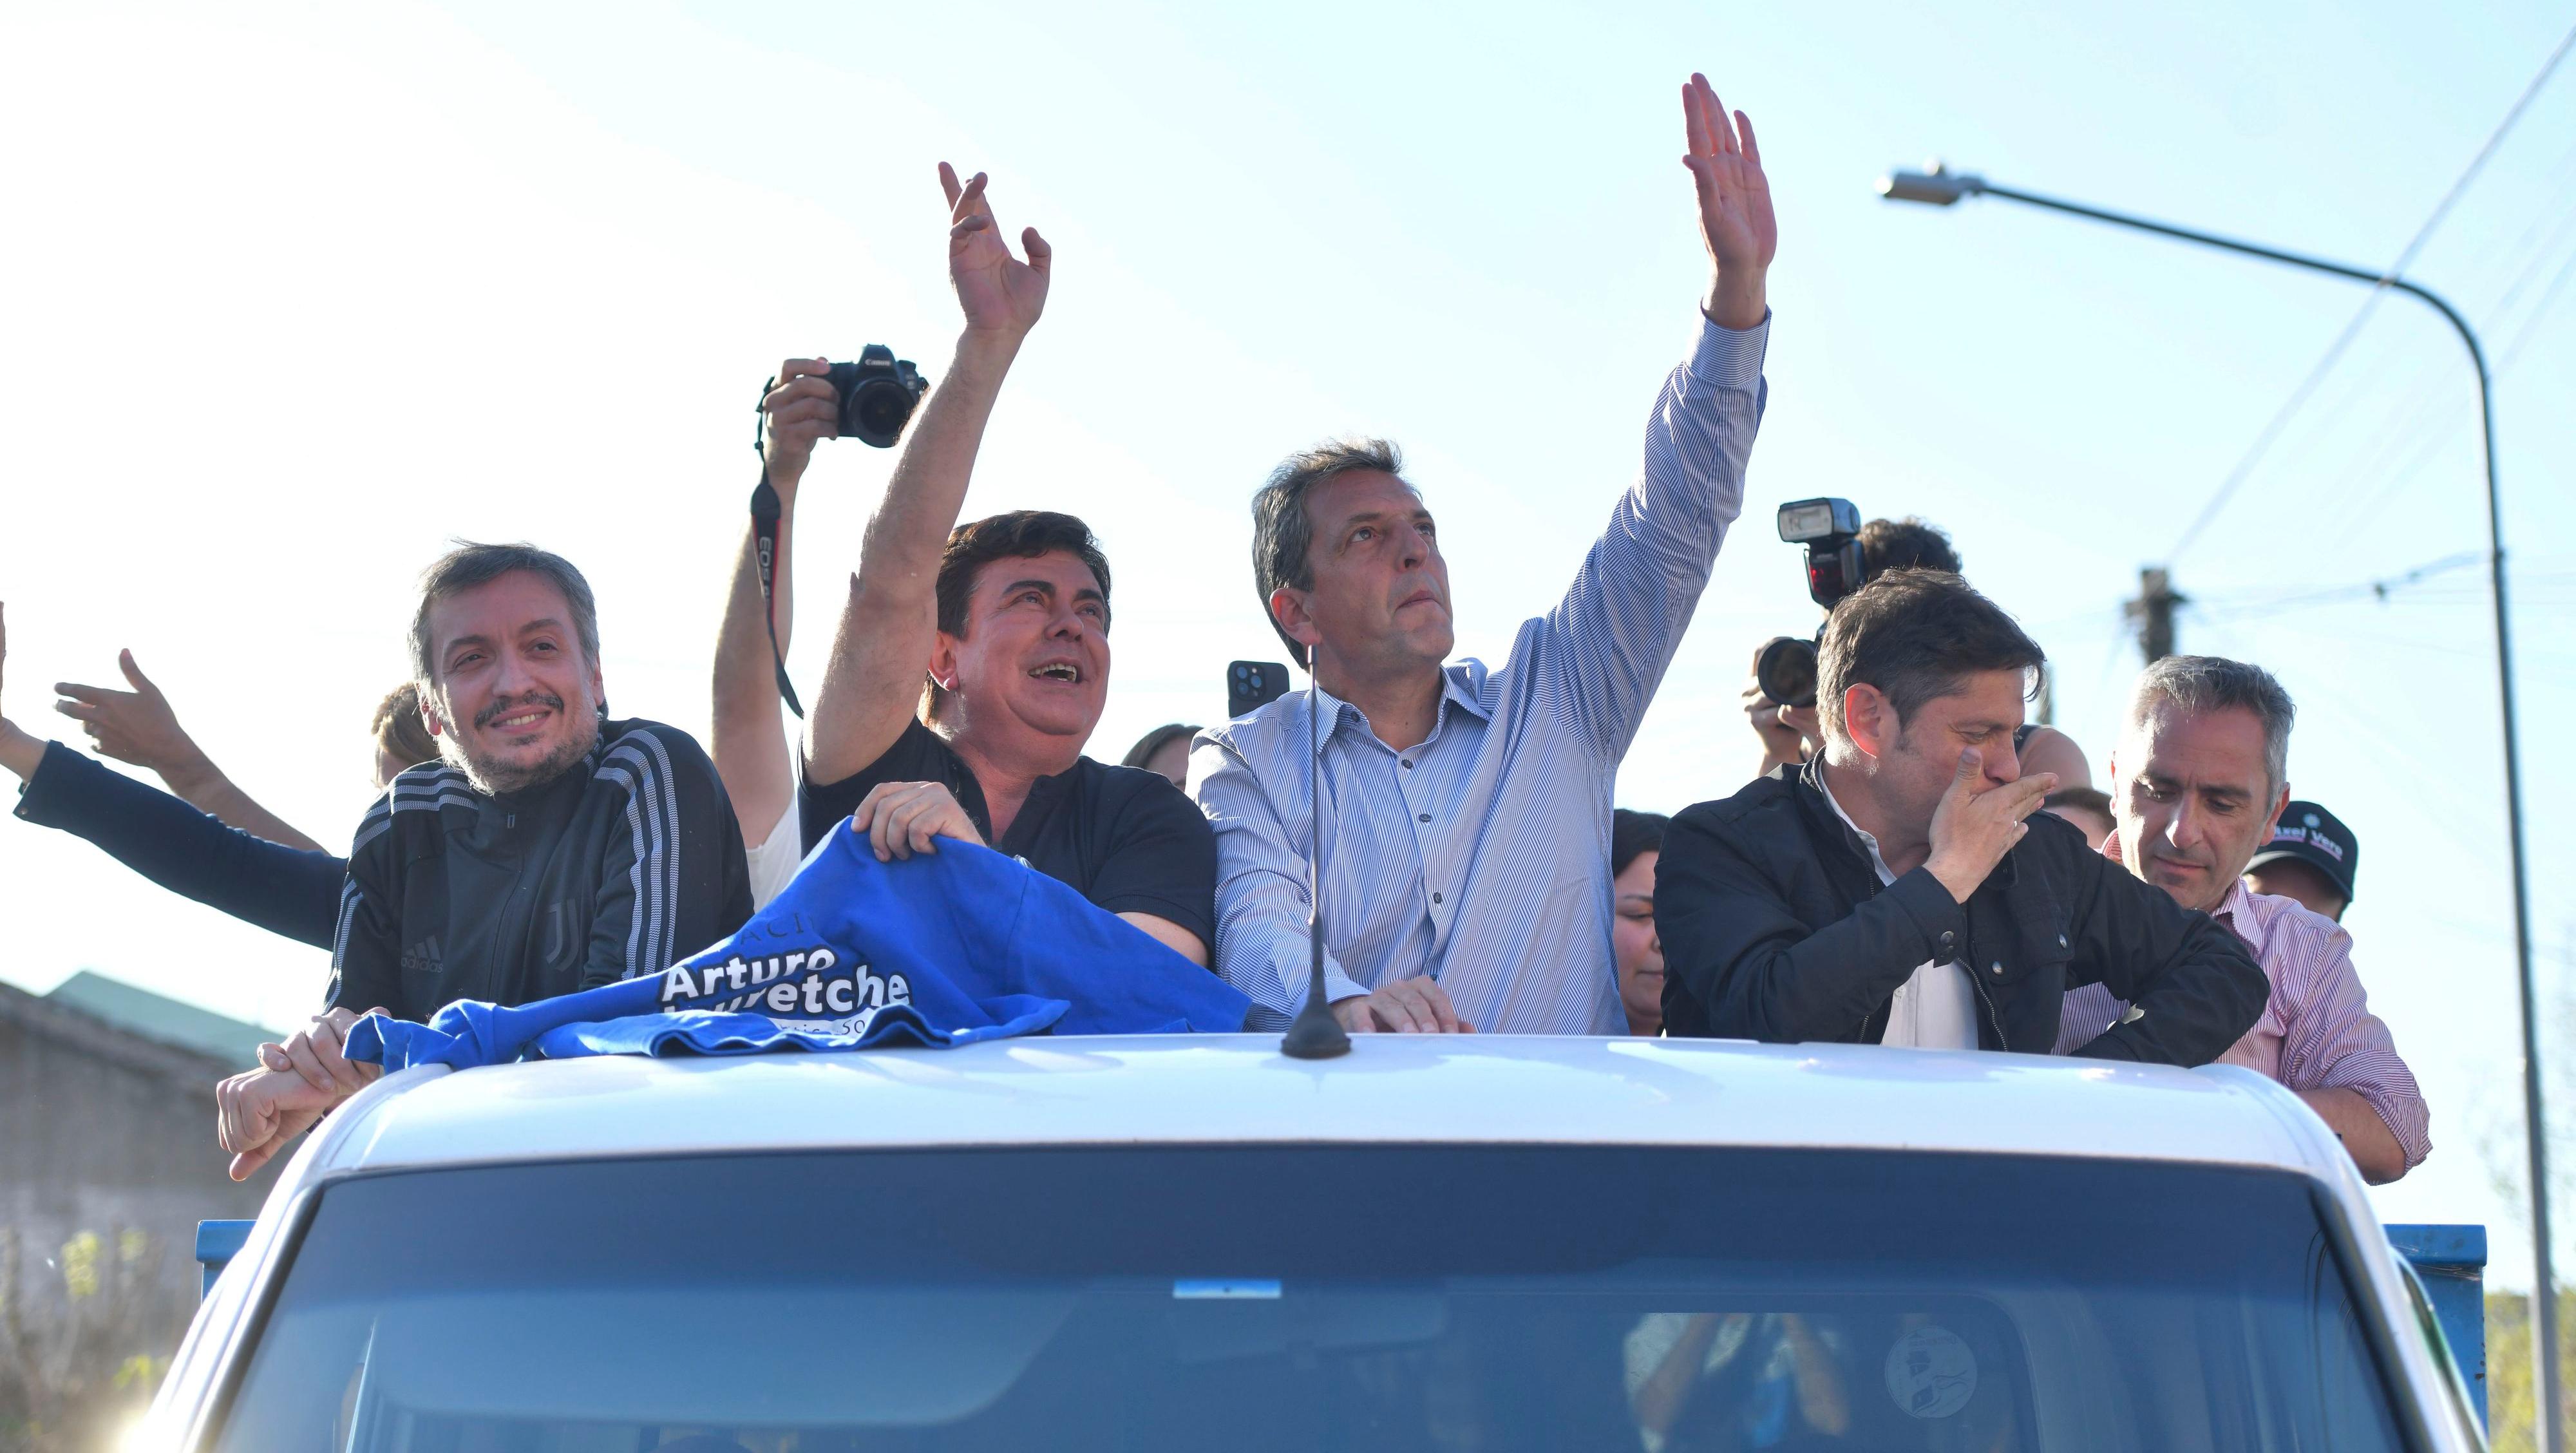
(1941, 187)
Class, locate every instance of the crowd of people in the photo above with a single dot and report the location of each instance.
(1913, 864)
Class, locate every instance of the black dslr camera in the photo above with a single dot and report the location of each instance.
(877, 395)
(1830, 529)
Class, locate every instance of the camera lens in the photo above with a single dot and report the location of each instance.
(878, 411)
(1787, 671)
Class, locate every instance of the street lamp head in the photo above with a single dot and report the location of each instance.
(1936, 184)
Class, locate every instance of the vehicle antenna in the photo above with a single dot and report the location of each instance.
(1315, 1033)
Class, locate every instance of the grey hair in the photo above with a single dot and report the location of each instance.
(470, 565)
(1282, 535)
(2200, 684)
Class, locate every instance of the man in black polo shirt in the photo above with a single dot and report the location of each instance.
(1010, 618)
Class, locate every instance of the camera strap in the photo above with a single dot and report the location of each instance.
(764, 550)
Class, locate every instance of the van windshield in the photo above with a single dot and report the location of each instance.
(1296, 1299)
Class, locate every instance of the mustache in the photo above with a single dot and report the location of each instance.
(2188, 860)
(503, 705)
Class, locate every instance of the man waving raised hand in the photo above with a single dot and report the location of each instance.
(971, 663)
(1464, 810)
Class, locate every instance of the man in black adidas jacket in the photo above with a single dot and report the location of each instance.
(1897, 888)
(551, 850)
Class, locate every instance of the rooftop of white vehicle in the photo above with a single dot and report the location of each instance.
(1391, 1088)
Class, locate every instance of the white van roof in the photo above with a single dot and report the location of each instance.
(1210, 1089)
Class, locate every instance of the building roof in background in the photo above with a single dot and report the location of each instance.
(159, 1017)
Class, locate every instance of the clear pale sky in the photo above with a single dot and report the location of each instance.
(294, 293)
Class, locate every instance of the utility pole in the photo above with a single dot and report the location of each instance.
(2153, 610)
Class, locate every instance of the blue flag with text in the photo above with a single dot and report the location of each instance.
(940, 949)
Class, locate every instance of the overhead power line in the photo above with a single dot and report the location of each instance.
(2298, 397)
(2531, 324)
(2364, 392)
(2379, 588)
(2407, 425)
(2384, 590)
(2404, 432)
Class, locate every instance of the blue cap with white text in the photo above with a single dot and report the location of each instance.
(2311, 835)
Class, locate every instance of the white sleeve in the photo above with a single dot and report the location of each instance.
(775, 858)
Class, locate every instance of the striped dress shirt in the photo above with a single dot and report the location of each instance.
(2317, 1033)
(1481, 857)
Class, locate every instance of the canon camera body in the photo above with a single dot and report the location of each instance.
(878, 394)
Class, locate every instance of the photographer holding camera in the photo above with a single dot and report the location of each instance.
(1897, 887)
(1842, 556)
(1780, 694)
(808, 401)
(1008, 619)
(747, 733)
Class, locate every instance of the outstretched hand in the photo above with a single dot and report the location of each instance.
(135, 726)
(1735, 218)
(999, 293)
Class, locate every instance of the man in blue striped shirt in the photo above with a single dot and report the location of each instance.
(1465, 809)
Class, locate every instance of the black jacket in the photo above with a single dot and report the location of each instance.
(284, 890)
(624, 865)
(1775, 927)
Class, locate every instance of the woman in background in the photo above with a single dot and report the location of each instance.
(1636, 841)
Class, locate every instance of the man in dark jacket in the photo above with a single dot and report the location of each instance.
(1897, 888)
(553, 849)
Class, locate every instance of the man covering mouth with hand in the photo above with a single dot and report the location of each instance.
(1902, 887)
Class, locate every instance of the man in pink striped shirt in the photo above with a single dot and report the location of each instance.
(2197, 782)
